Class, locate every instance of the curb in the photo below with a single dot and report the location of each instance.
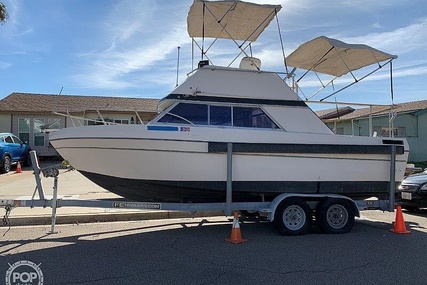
(107, 217)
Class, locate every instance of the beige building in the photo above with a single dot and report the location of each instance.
(32, 116)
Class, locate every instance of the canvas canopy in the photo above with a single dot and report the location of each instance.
(334, 57)
(229, 19)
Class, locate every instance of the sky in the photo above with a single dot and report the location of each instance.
(130, 48)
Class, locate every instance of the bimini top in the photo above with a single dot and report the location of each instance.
(229, 19)
(334, 57)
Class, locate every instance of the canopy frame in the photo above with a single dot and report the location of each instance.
(323, 55)
(224, 30)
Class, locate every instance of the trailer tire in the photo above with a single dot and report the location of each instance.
(335, 216)
(293, 217)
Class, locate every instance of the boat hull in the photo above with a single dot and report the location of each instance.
(154, 166)
(243, 191)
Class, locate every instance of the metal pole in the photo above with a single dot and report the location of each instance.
(229, 195)
(370, 121)
(392, 177)
(54, 202)
(36, 169)
(352, 127)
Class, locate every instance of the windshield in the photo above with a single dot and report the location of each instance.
(214, 115)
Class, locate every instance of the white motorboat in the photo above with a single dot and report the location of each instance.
(278, 144)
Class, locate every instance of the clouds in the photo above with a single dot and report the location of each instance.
(134, 37)
(402, 40)
(129, 47)
(137, 41)
(4, 65)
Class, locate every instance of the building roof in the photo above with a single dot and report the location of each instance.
(376, 111)
(30, 102)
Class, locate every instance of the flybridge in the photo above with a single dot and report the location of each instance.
(243, 23)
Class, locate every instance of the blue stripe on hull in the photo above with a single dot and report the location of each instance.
(162, 128)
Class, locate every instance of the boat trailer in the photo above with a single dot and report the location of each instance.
(274, 211)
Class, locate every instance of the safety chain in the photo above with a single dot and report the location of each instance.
(5, 220)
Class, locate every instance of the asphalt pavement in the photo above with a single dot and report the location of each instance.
(194, 251)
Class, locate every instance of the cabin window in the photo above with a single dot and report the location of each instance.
(186, 114)
(251, 118)
(199, 114)
(220, 116)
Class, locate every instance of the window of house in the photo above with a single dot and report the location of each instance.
(54, 124)
(125, 122)
(99, 121)
(386, 131)
(339, 130)
(38, 135)
(24, 129)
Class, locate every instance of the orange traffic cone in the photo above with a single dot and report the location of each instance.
(399, 224)
(18, 167)
(236, 235)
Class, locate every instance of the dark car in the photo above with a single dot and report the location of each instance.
(412, 192)
(12, 150)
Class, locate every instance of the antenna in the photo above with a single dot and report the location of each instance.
(177, 68)
(61, 90)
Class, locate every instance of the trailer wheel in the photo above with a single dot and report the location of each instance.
(293, 217)
(335, 216)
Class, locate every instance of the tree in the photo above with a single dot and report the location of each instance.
(3, 13)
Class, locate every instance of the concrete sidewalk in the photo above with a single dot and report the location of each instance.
(72, 185)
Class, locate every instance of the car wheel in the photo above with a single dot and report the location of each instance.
(293, 217)
(335, 216)
(7, 163)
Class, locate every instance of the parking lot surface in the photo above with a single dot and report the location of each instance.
(194, 250)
